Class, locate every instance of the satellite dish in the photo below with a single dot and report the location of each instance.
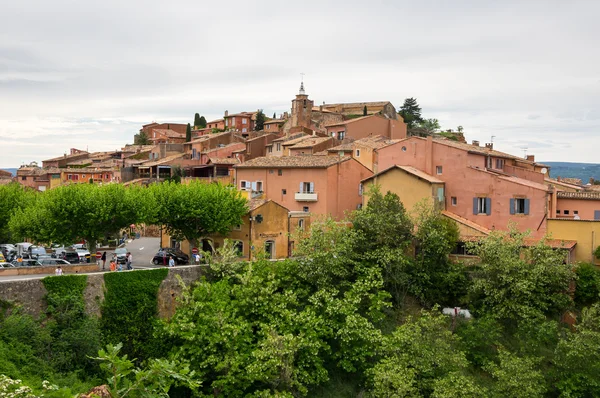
(544, 170)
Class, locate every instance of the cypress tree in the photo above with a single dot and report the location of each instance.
(202, 122)
(365, 111)
(188, 133)
(197, 120)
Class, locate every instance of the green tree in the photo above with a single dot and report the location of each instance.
(587, 289)
(202, 122)
(197, 123)
(517, 283)
(516, 377)
(13, 197)
(68, 213)
(260, 121)
(577, 358)
(434, 278)
(188, 133)
(141, 138)
(460, 129)
(191, 211)
(430, 126)
(411, 112)
(154, 380)
(418, 358)
(365, 111)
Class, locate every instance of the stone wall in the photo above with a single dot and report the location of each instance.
(29, 293)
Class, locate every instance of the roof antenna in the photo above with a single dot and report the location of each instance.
(493, 139)
(525, 153)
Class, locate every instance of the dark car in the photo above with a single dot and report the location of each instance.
(162, 257)
(70, 255)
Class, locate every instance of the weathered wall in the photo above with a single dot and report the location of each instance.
(29, 293)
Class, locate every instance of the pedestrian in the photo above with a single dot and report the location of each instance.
(103, 258)
(58, 271)
(171, 261)
(113, 264)
(129, 261)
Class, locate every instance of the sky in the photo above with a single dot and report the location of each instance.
(88, 75)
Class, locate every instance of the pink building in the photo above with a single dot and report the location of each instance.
(321, 185)
(484, 186)
(366, 126)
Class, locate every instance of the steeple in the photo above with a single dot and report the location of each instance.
(301, 88)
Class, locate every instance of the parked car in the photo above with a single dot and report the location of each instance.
(54, 261)
(121, 253)
(27, 263)
(84, 255)
(78, 246)
(9, 251)
(6, 265)
(37, 252)
(69, 255)
(162, 257)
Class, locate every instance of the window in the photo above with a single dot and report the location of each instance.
(440, 194)
(259, 186)
(226, 120)
(279, 146)
(232, 121)
(566, 212)
(341, 135)
(25, 178)
(244, 185)
(237, 227)
(500, 164)
(279, 172)
(83, 176)
(403, 149)
(557, 211)
(284, 191)
(360, 189)
(244, 121)
(358, 153)
(519, 206)
(69, 177)
(244, 130)
(301, 223)
(482, 205)
(270, 149)
(268, 127)
(438, 170)
(453, 201)
(489, 162)
(575, 211)
(307, 187)
(271, 171)
(238, 245)
(305, 209)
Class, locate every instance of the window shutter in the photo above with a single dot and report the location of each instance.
(254, 185)
(596, 214)
(301, 187)
(312, 187)
(526, 206)
(512, 206)
(475, 210)
(488, 206)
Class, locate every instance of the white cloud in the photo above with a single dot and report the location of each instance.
(89, 74)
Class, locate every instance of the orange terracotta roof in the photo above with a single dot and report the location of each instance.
(468, 223)
(310, 142)
(561, 183)
(272, 121)
(350, 121)
(513, 179)
(303, 161)
(482, 150)
(157, 162)
(168, 133)
(67, 156)
(593, 195)
(375, 142)
(223, 160)
(411, 170)
(296, 140)
(553, 243)
(346, 147)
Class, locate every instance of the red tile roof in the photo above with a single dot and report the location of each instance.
(303, 161)
(411, 170)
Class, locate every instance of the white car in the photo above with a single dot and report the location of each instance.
(6, 265)
(84, 255)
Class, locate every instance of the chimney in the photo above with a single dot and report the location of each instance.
(226, 113)
(592, 180)
(558, 178)
(475, 143)
(320, 108)
(531, 158)
(489, 145)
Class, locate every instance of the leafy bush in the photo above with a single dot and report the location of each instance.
(587, 289)
(130, 309)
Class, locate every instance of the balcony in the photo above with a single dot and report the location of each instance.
(306, 196)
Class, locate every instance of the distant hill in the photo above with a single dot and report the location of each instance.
(583, 171)
(13, 171)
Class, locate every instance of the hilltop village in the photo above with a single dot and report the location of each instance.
(318, 161)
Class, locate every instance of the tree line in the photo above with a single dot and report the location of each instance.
(356, 312)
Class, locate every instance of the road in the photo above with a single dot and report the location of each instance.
(142, 250)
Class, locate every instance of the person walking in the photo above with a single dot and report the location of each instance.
(103, 258)
(129, 261)
(58, 271)
(171, 262)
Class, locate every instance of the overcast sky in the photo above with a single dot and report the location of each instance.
(88, 74)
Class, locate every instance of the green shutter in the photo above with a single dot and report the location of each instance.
(512, 206)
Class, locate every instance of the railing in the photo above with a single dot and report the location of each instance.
(306, 196)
